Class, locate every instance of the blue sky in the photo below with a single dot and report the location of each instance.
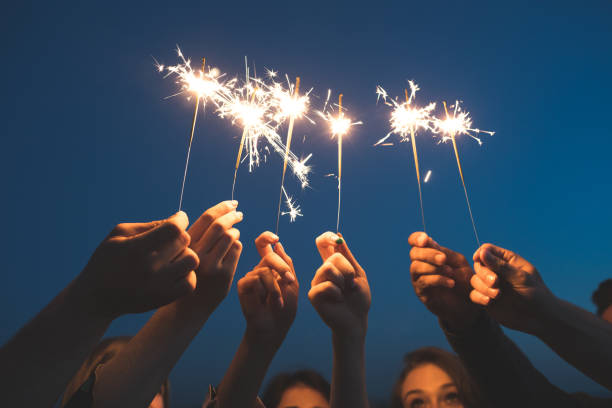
(90, 141)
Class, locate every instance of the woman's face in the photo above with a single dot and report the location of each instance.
(301, 396)
(428, 386)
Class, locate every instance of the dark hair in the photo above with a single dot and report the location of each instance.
(104, 352)
(602, 297)
(449, 363)
(282, 382)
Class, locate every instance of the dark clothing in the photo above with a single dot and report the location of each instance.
(504, 374)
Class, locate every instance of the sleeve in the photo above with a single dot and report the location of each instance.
(211, 399)
(504, 375)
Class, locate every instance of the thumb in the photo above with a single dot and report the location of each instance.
(499, 260)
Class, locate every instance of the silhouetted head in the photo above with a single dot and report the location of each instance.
(433, 378)
(602, 298)
(102, 354)
(301, 389)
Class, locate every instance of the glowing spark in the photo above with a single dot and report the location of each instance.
(427, 176)
(271, 73)
(459, 123)
(294, 209)
(406, 120)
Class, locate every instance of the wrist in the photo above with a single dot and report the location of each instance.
(83, 299)
(353, 336)
(261, 342)
(547, 308)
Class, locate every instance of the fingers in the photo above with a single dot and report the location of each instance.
(230, 262)
(325, 291)
(485, 274)
(326, 244)
(264, 243)
(166, 237)
(268, 279)
(216, 230)
(479, 298)
(178, 269)
(344, 250)
(428, 282)
(428, 255)
(223, 245)
(483, 288)
(418, 268)
(338, 270)
(328, 272)
(279, 249)
(209, 216)
(422, 240)
(180, 288)
(497, 259)
(251, 291)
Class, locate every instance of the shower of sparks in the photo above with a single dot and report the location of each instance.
(459, 123)
(427, 176)
(204, 86)
(406, 120)
(339, 125)
(294, 209)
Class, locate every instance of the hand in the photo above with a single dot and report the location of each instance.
(218, 245)
(140, 266)
(440, 278)
(509, 287)
(269, 293)
(339, 290)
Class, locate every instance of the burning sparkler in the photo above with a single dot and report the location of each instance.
(294, 209)
(459, 123)
(406, 120)
(339, 127)
(204, 86)
(288, 104)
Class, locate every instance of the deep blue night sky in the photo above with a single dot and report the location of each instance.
(88, 141)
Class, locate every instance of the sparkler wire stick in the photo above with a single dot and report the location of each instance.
(287, 149)
(339, 164)
(463, 181)
(416, 166)
(244, 133)
(195, 116)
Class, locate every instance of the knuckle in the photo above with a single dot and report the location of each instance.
(207, 217)
(172, 230)
(120, 229)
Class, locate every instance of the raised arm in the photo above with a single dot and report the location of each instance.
(37, 363)
(341, 295)
(513, 292)
(268, 296)
(441, 278)
(136, 373)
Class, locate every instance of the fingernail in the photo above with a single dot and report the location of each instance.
(234, 203)
(289, 276)
(450, 283)
(486, 299)
(275, 237)
(491, 278)
(339, 241)
(240, 214)
(440, 258)
(493, 293)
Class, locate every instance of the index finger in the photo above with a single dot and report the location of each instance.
(326, 244)
(209, 216)
(422, 240)
(344, 250)
(264, 242)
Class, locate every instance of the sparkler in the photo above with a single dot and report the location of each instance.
(204, 86)
(457, 124)
(339, 127)
(289, 105)
(406, 120)
(294, 209)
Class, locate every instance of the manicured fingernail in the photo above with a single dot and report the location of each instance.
(289, 276)
(234, 203)
(440, 258)
(339, 241)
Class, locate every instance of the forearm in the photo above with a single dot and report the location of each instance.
(502, 372)
(135, 375)
(579, 337)
(348, 378)
(48, 350)
(241, 383)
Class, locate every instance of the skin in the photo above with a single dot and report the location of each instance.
(441, 280)
(138, 267)
(607, 314)
(158, 402)
(428, 386)
(268, 296)
(513, 293)
(134, 376)
(301, 396)
(340, 293)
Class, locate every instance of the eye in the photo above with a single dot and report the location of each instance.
(452, 399)
(417, 403)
